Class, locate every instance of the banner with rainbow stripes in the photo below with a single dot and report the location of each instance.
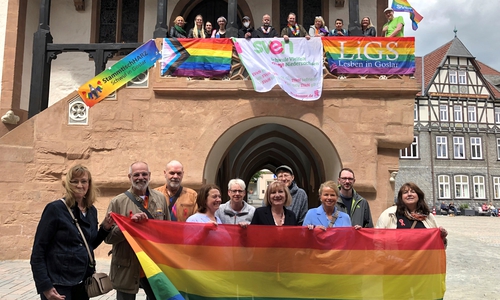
(204, 261)
(370, 55)
(196, 57)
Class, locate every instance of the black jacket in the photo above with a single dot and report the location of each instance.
(264, 216)
(258, 33)
(176, 34)
(244, 30)
(59, 255)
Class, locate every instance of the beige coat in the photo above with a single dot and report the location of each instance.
(388, 219)
(185, 206)
(125, 268)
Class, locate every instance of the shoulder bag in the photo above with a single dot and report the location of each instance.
(98, 283)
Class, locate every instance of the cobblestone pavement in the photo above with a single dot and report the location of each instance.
(473, 263)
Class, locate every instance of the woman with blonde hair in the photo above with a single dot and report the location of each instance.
(327, 215)
(277, 196)
(367, 27)
(59, 262)
(318, 28)
(177, 31)
(198, 31)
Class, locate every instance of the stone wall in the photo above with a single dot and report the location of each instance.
(367, 120)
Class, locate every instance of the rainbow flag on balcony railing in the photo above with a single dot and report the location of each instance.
(370, 55)
(202, 261)
(196, 57)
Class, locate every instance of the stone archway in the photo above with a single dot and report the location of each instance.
(268, 142)
(211, 10)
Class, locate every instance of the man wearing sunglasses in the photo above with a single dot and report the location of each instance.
(351, 202)
(236, 210)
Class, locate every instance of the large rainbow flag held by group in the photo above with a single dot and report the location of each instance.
(204, 261)
(370, 55)
(196, 57)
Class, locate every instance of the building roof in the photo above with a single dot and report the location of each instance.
(430, 63)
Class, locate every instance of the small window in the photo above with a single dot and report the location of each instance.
(411, 151)
(461, 187)
(441, 147)
(444, 186)
(479, 192)
(462, 77)
(458, 147)
(452, 75)
(415, 112)
(471, 114)
(443, 113)
(496, 187)
(497, 115)
(457, 113)
(476, 148)
(498, 149)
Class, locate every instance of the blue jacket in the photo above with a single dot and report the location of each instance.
(317, 216)
(59, 255)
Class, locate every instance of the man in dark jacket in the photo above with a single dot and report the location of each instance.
(299, 197)
(351, 202)
(246, 30)
(266, 30)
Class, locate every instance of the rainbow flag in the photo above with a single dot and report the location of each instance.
(204, 261)
(196, 57)
(404, 6)
(363, 55)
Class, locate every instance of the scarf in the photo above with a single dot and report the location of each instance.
(295, 29)
(180, 29)
(415, 216)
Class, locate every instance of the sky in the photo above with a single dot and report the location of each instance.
(475, 20)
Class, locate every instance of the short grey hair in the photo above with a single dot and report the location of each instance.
(135, 163)
(237, 181)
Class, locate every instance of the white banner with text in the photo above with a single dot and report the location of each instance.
(296, 66)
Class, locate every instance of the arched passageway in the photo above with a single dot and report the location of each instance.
(268, 142)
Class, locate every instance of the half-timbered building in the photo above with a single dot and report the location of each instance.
(455, 154)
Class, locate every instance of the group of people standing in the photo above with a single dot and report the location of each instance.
(393, 28)
(60, 262)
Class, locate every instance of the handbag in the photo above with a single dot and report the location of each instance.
(98, 283)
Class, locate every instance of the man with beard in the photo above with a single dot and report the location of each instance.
(236, 210)
(299, 197)
(351, 202)
(266, 30)
(142, 203)
(293, 29)
(181, 200)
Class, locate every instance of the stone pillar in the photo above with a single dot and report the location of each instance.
(161, 29)
(232, 18)
(13, 64)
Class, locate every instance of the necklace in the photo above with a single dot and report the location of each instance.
(280, 221)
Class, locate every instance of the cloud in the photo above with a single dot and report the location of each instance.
(475, 21)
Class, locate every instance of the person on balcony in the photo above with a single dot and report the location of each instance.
(246, 30)
(177, 31)
(209, 30)
(266, 30)
(293, 29)
(367, 27)
(319, 28)
(339, 30)
(221, 33)
(198, 31)
(394, 26)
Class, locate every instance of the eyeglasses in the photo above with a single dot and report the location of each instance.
(237, 191)
(76, 182)
(144, 174)
(347, 178)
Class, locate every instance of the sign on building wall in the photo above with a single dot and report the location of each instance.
(119, 74)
